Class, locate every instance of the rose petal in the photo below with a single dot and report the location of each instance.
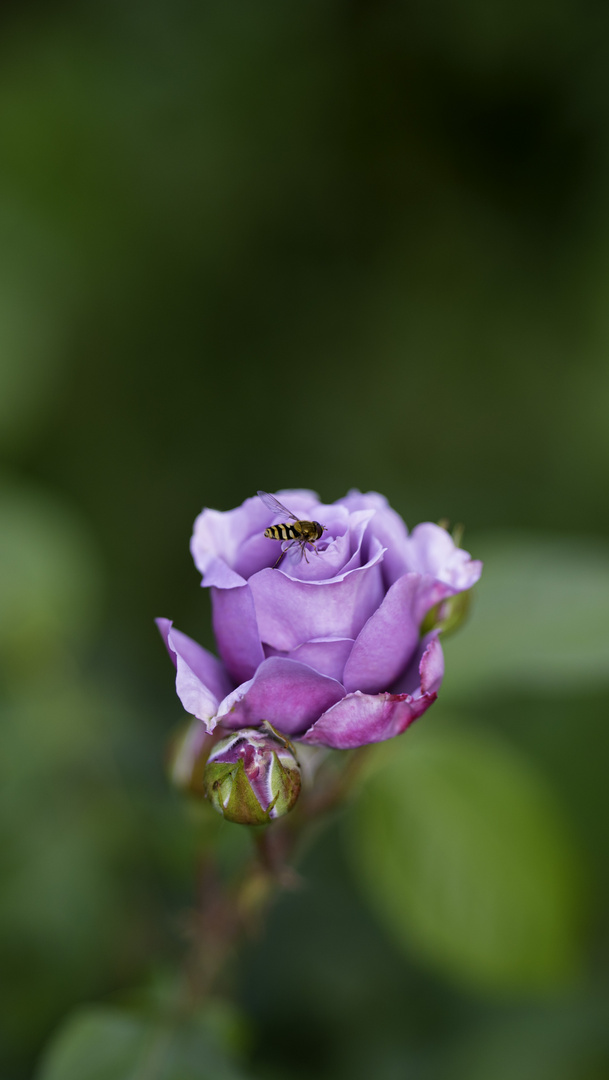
(360, 719)
(431, 669)
(288, 694)
(218, 535)
(387, 526)
(431, 550)
(236, 630)
(291, 612)
(388, 640)
(425, 671)
(219, 575)
(302, 502)
(164, 626)
(430, 592)
(363, 550)
(358, 500)
(326, 655)
(254, 554)
(201, 681)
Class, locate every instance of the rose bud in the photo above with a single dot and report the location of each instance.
(252, 776)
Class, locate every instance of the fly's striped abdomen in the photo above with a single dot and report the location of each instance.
(298, 532)
(283, 532)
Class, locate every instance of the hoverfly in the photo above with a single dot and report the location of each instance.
(298, 532)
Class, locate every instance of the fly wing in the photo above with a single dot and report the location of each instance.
(273, 504)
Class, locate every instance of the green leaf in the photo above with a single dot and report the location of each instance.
(567, 1041)
(49, 573)
(104, 1043)
(465, 856)
(538, 620)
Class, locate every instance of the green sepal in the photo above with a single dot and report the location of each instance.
(289, 790)
(283, 739)
(241, 806)
(448, 615)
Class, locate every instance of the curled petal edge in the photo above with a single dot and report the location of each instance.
(360, 719)
(201, 681)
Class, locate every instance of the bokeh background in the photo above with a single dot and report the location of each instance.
(331, 245)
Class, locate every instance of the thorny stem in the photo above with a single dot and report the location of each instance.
(228, 913)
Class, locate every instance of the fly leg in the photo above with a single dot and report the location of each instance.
(283, 552)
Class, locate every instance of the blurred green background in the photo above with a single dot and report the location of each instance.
(326, 245)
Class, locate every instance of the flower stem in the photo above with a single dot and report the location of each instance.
(227, 913)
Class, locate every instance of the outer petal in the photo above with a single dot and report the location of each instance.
(360, 719)
(291, 612)
(201, 681)
(425, 671)
(431, 550)
(388, 640)
(431, 668)
(290, 695)
(236, 630)
(430, 592)
(368, 500)
(220, 575)
(219, 535)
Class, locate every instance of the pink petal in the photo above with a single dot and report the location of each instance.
(288, 694)
(431, 550)
(426, 669)
(218, 535)
(291, 612)
(431, 668)
(236, 630)
(201, 681)
(388, 640)
(220, 575)
(360, 719)
(388, 527)
(326, 655)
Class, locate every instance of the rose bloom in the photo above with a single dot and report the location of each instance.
(328, 648)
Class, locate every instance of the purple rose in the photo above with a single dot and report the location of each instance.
(327, 646)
